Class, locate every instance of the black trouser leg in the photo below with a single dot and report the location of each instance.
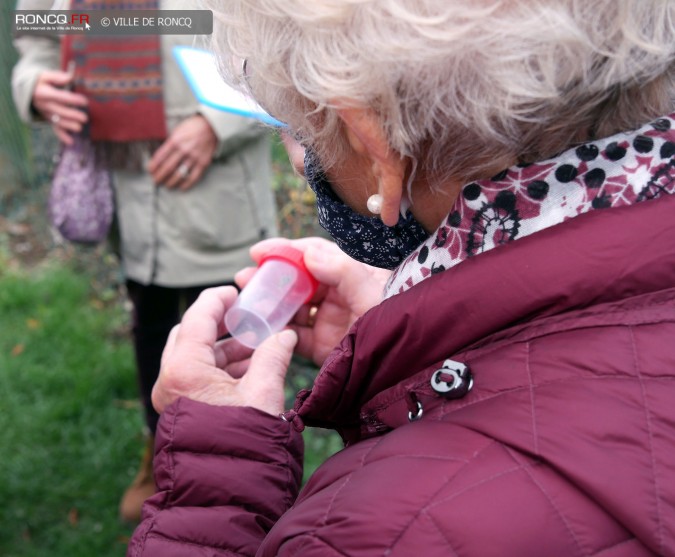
(156, 310)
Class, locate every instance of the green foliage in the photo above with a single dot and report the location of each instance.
(16, 162)
(296, 203)
(69, 426)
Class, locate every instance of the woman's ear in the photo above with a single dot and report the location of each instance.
(367, 138)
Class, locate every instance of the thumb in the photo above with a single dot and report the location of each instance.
(324, 264)
(263, 383)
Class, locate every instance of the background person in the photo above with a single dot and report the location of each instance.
(191, 183)
(512, 394)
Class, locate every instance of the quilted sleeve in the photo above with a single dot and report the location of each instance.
(224, 474)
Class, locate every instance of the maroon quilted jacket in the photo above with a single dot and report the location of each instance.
(565, 445)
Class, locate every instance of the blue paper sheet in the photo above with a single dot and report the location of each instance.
(200, 69)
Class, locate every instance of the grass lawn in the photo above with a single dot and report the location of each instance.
(70, 426)
(70, 423)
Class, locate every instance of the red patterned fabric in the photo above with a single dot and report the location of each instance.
(121, 77)
(613, 172)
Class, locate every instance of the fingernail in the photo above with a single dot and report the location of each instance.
(288, 338)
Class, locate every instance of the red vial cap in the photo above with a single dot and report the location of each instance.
(296, 258)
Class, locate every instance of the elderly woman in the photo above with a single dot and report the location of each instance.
(513, 163)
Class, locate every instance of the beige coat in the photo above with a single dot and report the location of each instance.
(169, 237)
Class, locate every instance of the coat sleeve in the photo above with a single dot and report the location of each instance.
(36, 54)
(224, 476)
(233, 131)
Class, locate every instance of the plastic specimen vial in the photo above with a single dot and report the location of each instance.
(274, 294)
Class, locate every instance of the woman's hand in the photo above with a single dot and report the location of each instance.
(61, 107)
(347, 290)
(196, 365)
(188, 151)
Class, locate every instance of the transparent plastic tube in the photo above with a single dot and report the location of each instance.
(280, 286)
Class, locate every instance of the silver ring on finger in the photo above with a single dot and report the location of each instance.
(184, 170)
(55, 118)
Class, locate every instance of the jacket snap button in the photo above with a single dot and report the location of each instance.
(453, 380)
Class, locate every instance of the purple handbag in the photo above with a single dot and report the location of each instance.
(81, 202)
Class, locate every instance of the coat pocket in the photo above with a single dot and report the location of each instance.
(219, 212)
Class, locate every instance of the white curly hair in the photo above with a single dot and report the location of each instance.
(456, 84)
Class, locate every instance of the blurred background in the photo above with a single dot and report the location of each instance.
(70, 420)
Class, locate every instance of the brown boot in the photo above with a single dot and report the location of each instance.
(141, 488)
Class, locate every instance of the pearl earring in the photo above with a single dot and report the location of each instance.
(374, 204)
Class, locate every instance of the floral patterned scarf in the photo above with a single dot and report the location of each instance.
(617, 171)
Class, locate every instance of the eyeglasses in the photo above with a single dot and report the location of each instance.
(246, 79)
